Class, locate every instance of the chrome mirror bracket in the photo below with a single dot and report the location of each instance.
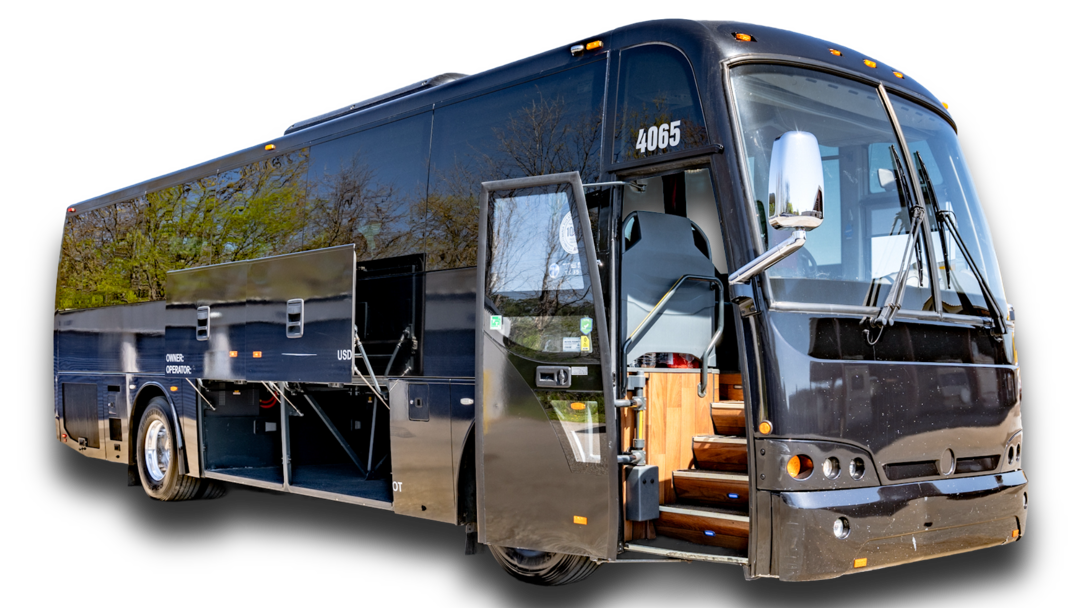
(782, 250)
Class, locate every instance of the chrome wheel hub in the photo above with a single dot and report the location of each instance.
(157, 450)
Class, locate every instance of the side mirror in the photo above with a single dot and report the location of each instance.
(796, 183)
(796, 198)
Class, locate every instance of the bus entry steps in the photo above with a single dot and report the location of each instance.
(711, 508)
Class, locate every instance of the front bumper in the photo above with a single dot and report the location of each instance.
(894, 524)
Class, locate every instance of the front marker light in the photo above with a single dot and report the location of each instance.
(831, 467)
(857, 469)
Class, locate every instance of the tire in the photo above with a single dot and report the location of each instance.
(210, 489)
(542, 567)
(158, 458)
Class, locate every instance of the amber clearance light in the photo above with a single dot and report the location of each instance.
(743, 37)
(869, 63)
(800, 466)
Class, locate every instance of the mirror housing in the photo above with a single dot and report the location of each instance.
(796, 182)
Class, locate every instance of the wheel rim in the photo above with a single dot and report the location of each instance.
(157, 450)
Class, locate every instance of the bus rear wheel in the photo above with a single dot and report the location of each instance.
(543, 567)
(158, 457)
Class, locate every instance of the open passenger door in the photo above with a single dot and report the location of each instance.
(546, 457)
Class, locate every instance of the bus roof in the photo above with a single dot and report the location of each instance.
(705, 42)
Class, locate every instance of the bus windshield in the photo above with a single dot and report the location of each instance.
(853, 258)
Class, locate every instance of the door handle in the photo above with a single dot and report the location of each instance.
(553, 376)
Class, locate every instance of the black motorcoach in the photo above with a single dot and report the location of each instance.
(699, 291)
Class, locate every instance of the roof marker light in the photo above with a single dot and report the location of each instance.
(869, 63)
(898, 74)
(269, 147)
(945, 104)
(595, 44)
(743, 37)
(71, 209)
(836, 52)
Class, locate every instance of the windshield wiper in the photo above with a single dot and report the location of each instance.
(947, 221)
(893, 300)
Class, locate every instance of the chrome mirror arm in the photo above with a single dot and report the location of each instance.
(769, 258)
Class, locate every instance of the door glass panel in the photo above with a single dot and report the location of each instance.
(537, 283)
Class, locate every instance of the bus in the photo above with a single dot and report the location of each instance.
(681, 291)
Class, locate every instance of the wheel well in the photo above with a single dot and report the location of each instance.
(466, 480)
(142, 399)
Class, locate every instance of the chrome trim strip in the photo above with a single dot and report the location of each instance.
(686, 555)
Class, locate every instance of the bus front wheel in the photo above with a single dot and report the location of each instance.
(543, 567)
(158, 456)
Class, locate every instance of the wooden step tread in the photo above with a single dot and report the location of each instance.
(717, 488)
(721, 439)
(720, 453)
(728, 405)
(711, 475)
(703, 511)
(728, 418)
(704, 525)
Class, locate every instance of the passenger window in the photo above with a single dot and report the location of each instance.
(658, 107)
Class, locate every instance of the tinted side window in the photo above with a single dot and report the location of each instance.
(549, 125)
(119, 254)
(658, 109)
(368, 188)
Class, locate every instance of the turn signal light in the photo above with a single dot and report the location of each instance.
(765, 427)
(173, 389)
(800, 466)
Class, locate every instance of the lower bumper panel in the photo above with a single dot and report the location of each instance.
(892, 525)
